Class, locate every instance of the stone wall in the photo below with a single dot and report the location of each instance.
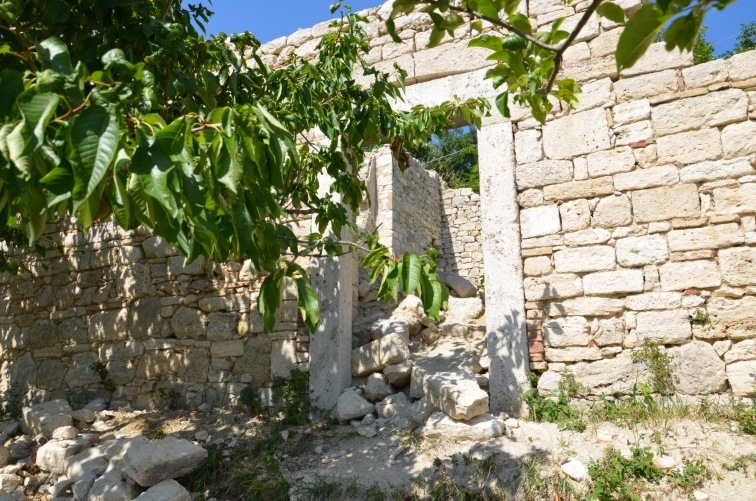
(461, 245)
(127, 301)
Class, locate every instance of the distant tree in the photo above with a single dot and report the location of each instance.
(703, 49)
(454, 155)
(746, 40)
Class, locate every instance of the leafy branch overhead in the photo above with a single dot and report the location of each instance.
(126, 109)
(528, 62)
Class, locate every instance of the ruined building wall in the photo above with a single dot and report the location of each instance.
(125, 300)
(461, 244)
(636, 210)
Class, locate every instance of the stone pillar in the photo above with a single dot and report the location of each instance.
(331, 343)
(505, 298)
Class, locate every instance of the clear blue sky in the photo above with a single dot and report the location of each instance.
(272, 19)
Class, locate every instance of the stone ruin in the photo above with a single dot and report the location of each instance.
(611, 224)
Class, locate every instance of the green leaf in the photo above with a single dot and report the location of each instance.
(36, 110)
(639, 33)
(94, 137)
(391, 28)
(11, 86)
(491, 42)
(502, 104)
(412, 267)
(269, 300)
(307, 301)
(612, 12)
(54, 55)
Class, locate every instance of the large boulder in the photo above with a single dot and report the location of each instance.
(46, 417)
(113, 485)
(464, 310)
(170, 457)
(461, 286)
(393, 405)
(51, 456)
(352, 406)
(385, 327)
(742, 376)
(410, 310)
(379, 354)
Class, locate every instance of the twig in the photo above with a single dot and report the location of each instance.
(167, 9)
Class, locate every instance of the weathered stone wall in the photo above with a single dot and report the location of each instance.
(461, 245)
(126, 300)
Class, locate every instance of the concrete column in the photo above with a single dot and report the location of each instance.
(505, 298)
(331, 343)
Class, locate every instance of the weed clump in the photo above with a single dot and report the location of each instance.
(558, 411)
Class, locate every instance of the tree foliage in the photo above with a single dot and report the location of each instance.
(124, 108)
(529, 62)
(745, 41)
(454, 155)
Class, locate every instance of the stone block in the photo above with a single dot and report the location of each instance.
(605, 163)
(688, 274)
(634, 111)
(167, 489)
(658, 58)
(553, 287)
(605, 44)
(188, 323)
(612, 375)
(537, 266)
(576, 134)
(585, 306)
(51, 457)
(537, 174)
(698, 370)
(579, 189)
(742, 378)
(144, 320)
(452, 391)
(666, 327)
(596, 93)
(703, 75)
(742, 66)
(715, 236)
(528, 147)
(710, 110)
(655, 84)
(739, 139)
(590, 69)
(283, 359)
(639, 251)
(613, 211)
(716, 169)
(591, 236)
(633, 133)
(611, 331)
(379, 354)
(661, 204)
(584, 259)
(539, 221)
(738, 265)
(233, 348)
(109, 325)
(613, 282)
(385, 327)
(566, 331)
(478, 429)
(647, 178)
(690, 147)
(448, 59)
(654, 301)
(576, 215)
(736, 199)
(222, 326)
(150, 464)
(573, 354)
(46, 417)
(399, 374)
(742, 351)
(377, 387)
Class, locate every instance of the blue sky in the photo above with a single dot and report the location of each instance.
(272, 19)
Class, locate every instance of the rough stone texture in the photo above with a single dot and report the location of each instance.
(568, 331)
(399, 374)
(165, 490)
(613, 211)
(374, 356)
(461, 286)
(352, 406)
(742, 378)
(698, 369)
(377, 387)
(479, 429)
(667, 327)
(738, 265)
(653, 205)
(639, 251)
(576, 134)
(46, 417)
(690, 147)
(613, 282)
(150, 464)
(709, 110)
(684, 275)
(590, 258)
(539, 221)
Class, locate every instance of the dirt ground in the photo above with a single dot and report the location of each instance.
(330, 461)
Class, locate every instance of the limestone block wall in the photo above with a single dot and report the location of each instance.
(637, 213)
(125, 301)
(461, 245)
